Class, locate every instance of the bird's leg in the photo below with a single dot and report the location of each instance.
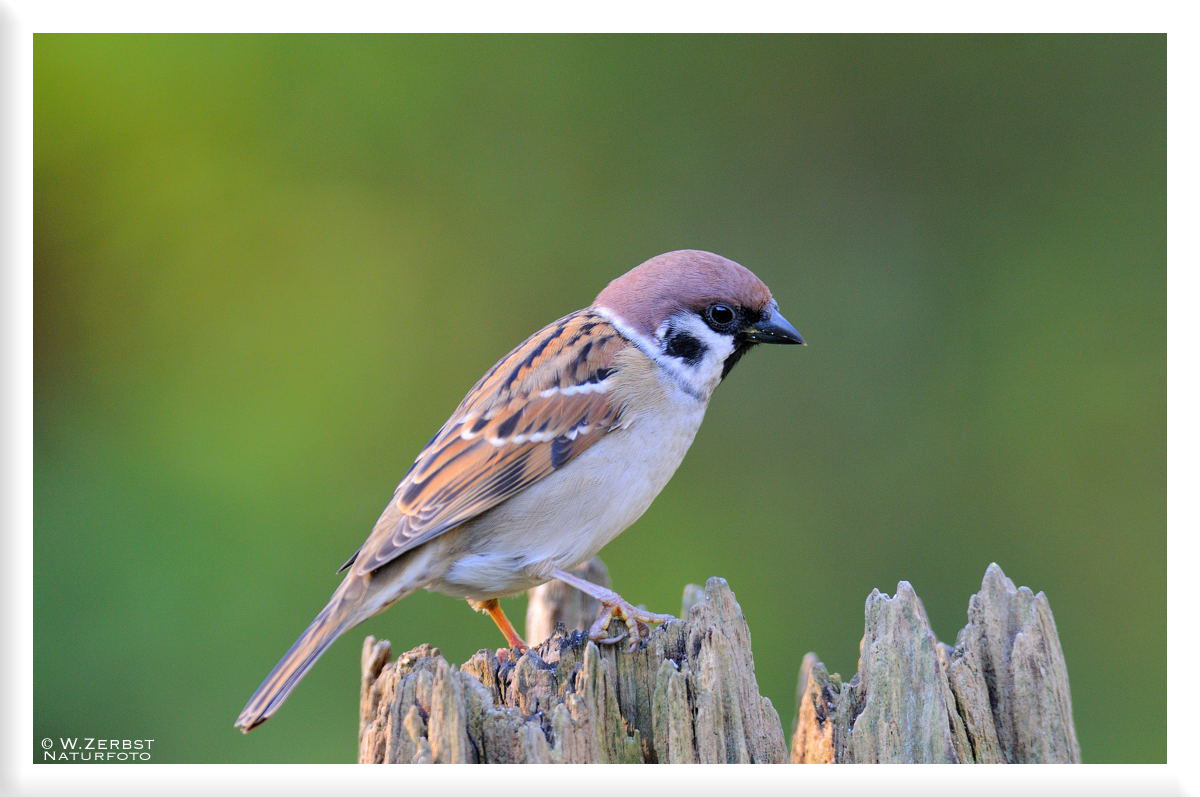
(492, 607)
(635, 619)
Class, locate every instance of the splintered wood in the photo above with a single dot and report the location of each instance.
(689, 694)
(999, 695)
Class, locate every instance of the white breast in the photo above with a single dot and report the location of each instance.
(567, 517)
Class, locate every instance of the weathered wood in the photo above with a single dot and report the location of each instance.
(1001, 694)
(688, 695)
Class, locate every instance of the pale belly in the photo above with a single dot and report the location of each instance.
(566, 518)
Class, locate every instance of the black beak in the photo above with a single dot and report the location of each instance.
(773, 328)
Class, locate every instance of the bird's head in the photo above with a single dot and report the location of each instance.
(698, 312)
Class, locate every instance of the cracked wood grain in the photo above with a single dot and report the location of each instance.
(689, 695)
(999, 695)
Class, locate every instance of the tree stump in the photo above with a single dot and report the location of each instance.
(689, 693)
(999, 695)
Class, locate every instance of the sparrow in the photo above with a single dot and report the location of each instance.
(556, 450)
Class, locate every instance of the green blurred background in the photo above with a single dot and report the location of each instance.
(267, 268)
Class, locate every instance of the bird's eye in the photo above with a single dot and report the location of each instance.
(720, 316)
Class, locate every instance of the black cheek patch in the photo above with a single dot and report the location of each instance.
(685, 347)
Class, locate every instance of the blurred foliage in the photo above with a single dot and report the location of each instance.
(267, 267)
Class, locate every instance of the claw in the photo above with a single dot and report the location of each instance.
(598, 631)
(636, 624)
(611, 640)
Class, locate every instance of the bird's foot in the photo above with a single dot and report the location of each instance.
(516, 650)
(637, 623)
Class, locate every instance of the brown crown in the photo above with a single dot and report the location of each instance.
(687, 279)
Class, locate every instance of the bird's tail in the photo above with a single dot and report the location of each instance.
(335, 618)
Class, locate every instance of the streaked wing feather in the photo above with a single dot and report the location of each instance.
(533, 412)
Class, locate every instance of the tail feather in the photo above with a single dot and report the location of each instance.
(334, 619)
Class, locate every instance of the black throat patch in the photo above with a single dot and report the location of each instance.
(740, 347)
(741, 343)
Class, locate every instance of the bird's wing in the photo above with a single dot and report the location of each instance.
(534, 411)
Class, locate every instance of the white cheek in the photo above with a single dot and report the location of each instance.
(705, 375)
(692, 382)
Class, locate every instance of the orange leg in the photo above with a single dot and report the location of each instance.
(492, 607)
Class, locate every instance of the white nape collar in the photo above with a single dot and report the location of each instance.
(652, 347)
